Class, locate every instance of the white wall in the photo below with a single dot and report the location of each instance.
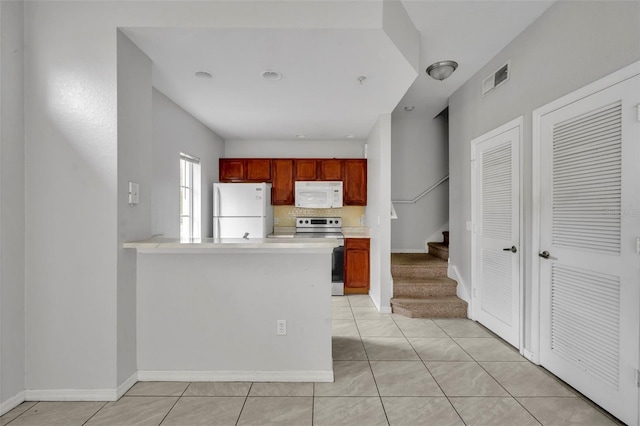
(71, 204)
(134, 165)
(571, 45)
(175, 131)
(12, 304)
(347, 148)
(378, 211)
(74, 298)
(419, 159)
(207, 316)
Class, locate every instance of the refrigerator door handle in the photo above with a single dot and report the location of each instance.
(219, 201)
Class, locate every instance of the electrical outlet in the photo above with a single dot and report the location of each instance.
(276, 220)
(281, 329)
(362, 220)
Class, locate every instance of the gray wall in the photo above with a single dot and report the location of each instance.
(571, 45)
(134, 165)
(175, 131)
(419, 159)
(12, 302)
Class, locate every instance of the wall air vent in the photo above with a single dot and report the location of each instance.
(496, 79)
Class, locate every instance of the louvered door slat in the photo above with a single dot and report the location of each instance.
(584, 320)
(496, 192)
(496, 284)
(589, 172)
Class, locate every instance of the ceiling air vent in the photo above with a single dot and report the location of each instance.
(496, 79)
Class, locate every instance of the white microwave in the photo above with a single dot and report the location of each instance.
(318, 194)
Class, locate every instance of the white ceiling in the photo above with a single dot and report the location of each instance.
(319, 95)
(468, 32)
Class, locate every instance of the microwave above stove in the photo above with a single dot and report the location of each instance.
(318, 194)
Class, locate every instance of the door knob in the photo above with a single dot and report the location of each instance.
(512, 249)
(545, 255)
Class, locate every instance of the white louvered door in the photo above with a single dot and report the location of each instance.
(589, 268)
(496, 217)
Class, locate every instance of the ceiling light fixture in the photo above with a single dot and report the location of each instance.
(361, 79)
(442, 70)
(349, 136)
(271, 75)
(301, 136)
(409, 108)
(203, 74)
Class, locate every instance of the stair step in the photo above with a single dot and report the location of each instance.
(440, 250)
(417, 265)
(433, 307)
(445, 234)
(423, 287)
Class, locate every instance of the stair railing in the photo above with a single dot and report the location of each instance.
(425, 192)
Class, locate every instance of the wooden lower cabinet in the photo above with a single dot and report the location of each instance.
(356, 265)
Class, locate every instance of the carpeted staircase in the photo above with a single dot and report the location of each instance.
(421, 288)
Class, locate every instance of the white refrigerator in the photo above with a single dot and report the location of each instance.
(242, 210)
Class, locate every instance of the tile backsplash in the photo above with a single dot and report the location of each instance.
(350, 215)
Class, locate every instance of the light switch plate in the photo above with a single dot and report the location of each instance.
(134, 193)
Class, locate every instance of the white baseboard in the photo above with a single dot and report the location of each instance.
(11, 403)
(126, 385)
(236, 376)
(383, 309)
(461, 289)
(71, 395)
(528, 355)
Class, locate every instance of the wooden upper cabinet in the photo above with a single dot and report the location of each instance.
(283, 173)
(245, 170)
(259, 169)
(355, 182)
(282, 179)
(330, 169)
(356, 265)
(306, 169)
(232, 170)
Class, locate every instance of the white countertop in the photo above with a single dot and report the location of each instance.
(356, 232)
(253, 245)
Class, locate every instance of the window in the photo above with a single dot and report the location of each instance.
(189, 197)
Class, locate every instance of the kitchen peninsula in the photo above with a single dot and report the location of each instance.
(209, 310)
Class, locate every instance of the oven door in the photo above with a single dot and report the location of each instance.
(337, 270)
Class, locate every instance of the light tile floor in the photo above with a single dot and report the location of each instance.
(389, 370)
